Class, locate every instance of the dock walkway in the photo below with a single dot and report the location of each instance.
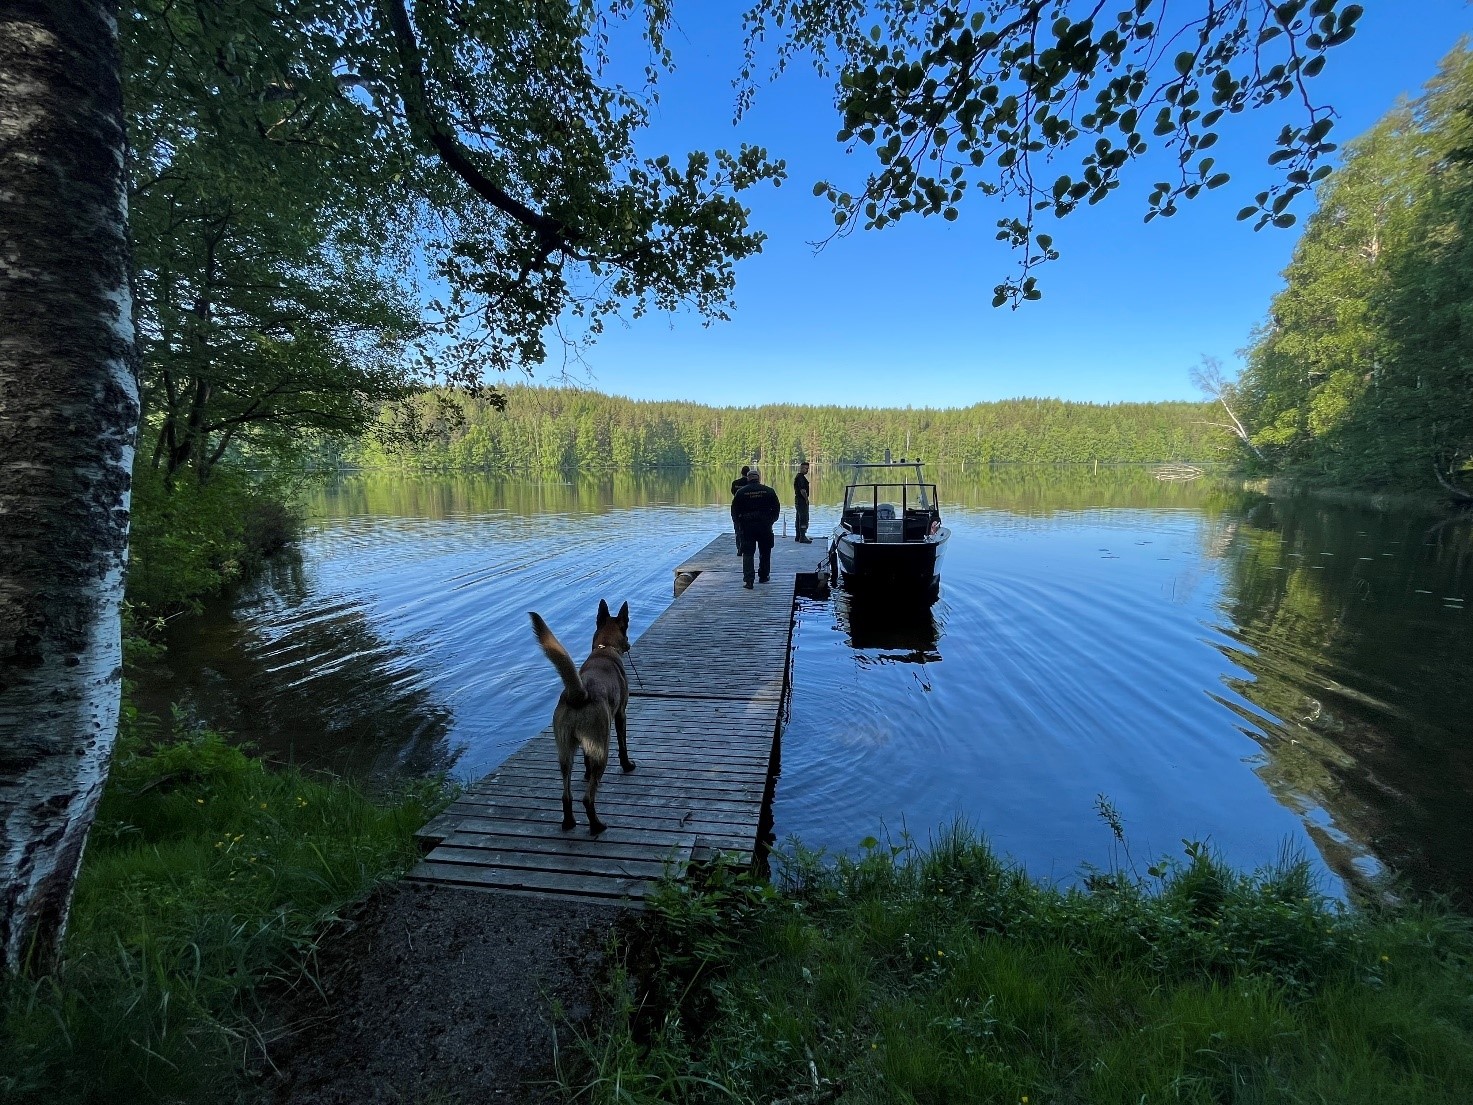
(703, 728)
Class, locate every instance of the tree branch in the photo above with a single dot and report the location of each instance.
(1456, 492)
(552, 235)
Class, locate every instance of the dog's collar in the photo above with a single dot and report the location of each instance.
(597, 647)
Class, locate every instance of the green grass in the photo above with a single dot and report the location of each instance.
(945, 976)
(207, 880)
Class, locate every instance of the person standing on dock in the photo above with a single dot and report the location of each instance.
(800, 506)
(754, 508)
(736, 485)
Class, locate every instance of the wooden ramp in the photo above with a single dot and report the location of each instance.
(707, 683)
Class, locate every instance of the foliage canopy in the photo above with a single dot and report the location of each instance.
(954, 94)
(1363, 372)
(299, 169)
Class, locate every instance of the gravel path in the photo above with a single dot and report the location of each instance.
(437, 996)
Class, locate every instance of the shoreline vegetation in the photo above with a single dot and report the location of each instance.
(1360, 374)
(942, 974)
(208, 882)
(901, 974)
(211, 880)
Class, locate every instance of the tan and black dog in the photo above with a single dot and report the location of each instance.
(594, 696)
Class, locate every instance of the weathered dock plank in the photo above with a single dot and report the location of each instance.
(707, 681)
(544, 883)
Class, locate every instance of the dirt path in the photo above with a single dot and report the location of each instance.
(441, 996)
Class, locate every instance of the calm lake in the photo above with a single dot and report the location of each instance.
(1258, 673)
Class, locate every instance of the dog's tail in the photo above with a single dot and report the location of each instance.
(573, 685)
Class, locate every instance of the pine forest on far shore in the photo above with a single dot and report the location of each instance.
(546, 429)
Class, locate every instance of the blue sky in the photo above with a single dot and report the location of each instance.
(902, 316)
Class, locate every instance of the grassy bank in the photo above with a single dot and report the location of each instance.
(946, 976)
(207, 880)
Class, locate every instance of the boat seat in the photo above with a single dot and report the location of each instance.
(889, 525)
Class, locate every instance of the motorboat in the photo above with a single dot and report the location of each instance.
(890, 533)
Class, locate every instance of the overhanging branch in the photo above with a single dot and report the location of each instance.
(424, 122)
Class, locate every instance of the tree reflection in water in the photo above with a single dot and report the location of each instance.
(1360, 660)
(306, 679)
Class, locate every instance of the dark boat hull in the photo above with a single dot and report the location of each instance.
(897, 565)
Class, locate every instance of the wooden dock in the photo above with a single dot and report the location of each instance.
(707, 687)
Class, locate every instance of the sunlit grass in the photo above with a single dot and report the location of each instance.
(207, 879)
(946, 976)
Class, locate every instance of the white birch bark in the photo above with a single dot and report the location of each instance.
(68, 414)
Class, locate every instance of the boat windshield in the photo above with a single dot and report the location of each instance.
(899, 484)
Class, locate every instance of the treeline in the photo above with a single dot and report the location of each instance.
(544, 429)
(1363, 373)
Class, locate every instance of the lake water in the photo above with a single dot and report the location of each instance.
(1261, 674)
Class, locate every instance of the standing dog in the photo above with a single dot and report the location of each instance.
(593, 696)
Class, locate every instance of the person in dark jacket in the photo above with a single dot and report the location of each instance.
(800, 506)
(753, 511)
(736, 485)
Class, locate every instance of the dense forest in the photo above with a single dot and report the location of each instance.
(1363, 373)
(544, 429)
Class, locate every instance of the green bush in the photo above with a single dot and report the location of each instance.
(188, 542)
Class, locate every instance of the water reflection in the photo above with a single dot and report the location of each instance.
(461, 496)
(1349, 624)
(898, 632)
(305, 677)
(1037, 491)
(398, 644)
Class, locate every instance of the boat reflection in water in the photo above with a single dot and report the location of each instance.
(906, 632)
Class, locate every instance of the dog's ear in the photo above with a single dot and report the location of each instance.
(624, 617)
(603, 611)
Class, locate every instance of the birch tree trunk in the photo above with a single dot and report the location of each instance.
(68, 414)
